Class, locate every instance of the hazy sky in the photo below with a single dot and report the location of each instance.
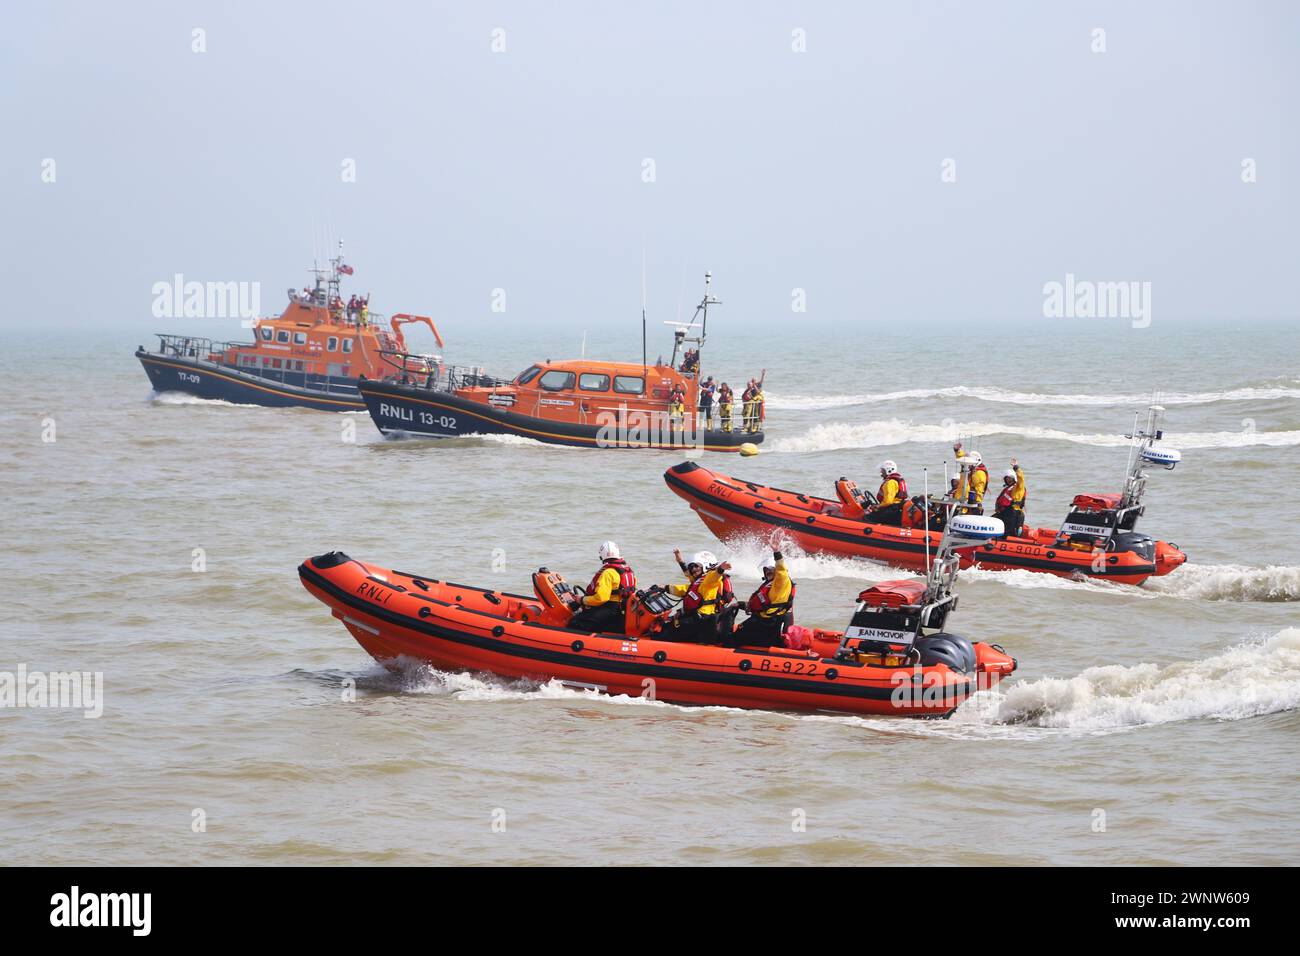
(776, 169)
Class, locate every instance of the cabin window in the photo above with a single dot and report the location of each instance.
(333, 344)
(528, 374)
(593, 382)
(629, 384)
(282, 336)
(275, 363)
(266, 335)
(347, 345)
(556, 380)
(300, 338)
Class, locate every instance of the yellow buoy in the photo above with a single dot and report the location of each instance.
(749, 449)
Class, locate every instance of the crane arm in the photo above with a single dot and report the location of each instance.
(402, 319)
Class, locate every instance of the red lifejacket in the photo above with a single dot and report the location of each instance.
(902, 485)
(626, 579)
(761, 601)
(1004, 500)
(693, 601)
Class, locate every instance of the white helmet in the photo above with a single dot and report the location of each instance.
(704, 559)
(769, 564)
(609, 550)
(1009, 474)
(887, 466)
(973, 458)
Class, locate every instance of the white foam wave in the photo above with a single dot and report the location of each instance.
(417, 677)
(184, 398)
(1007, 396)
(1229, 582)
(1248, 680)
(747, 556)
(834, 436)
(1038, 580)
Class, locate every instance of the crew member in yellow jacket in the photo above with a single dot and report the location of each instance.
(705, 595)
(891, 497)
(604, 603)
(1010, 506)
(771, 607)
(974, 481)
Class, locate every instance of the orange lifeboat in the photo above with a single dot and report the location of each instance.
(313, 355)
(586, 403)
(876, 667)
(735, 509)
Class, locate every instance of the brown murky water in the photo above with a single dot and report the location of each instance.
(1145, 726)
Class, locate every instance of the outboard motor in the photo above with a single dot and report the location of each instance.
(891, 618)
(943, 648)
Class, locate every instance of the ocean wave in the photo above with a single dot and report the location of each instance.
(184, 398)
(834, 436)
(1039, 580)
(986, 393)
(1229, 582)
(1248, 680)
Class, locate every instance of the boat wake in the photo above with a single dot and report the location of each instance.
(416, 677)
(1006, 396)
(1248, 680)
(1196, 582)
(183, 398)
(1229, 582)
(834, 436)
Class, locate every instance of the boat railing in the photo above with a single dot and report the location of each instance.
(193, 346)
(430, 372)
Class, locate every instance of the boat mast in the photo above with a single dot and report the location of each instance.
(645, 363)
(702, 314)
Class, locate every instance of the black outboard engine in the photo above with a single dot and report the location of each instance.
(945, 648)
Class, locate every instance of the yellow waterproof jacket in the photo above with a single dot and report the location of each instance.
(709, 589)
(888, 494)
(1018, 491)
(979, 481)
(779, 593)
(606, 588)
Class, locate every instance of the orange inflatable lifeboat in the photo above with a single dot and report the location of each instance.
(1097, 539)
(890, 661)
(736, 510)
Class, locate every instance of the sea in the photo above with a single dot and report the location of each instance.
(151, 543)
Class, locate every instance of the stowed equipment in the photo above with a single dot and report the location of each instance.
(902, 622)
(1105, 522)
(646, 612)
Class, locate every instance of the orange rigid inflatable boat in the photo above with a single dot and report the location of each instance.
(875, 667)
(1097, 538)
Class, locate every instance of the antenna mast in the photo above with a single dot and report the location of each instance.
(645, 364)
